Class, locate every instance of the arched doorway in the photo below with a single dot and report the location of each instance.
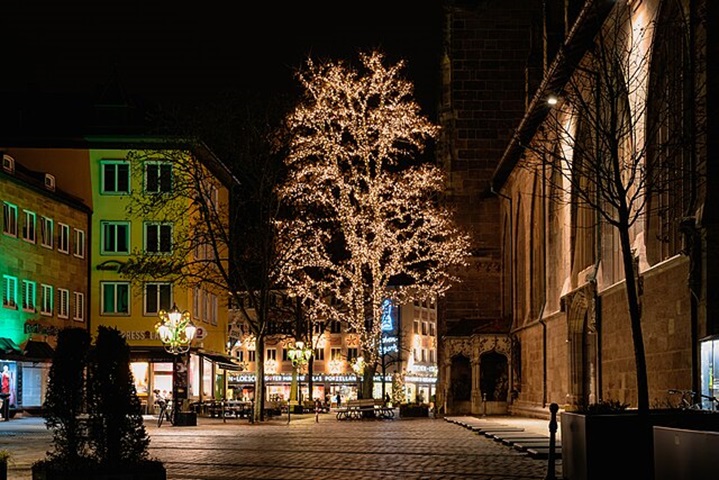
(494, 376)
(460, 386)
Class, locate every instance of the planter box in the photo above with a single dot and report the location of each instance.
(414, 410)
(602, 446)
(185, 419)
(149, 470)
(685, 454)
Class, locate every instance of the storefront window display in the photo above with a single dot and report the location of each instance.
(34, 384)
(710, 371)
(139, 373)
(8, 387)
(206, 379)
(162, 377)
(194, 374)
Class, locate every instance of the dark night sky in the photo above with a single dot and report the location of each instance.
(172, 50)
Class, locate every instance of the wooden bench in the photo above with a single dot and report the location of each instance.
(364, 408)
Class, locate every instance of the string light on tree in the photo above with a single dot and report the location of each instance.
(367, 223)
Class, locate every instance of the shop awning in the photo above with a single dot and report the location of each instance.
(40, 351)
(222, 361)
(9, 349)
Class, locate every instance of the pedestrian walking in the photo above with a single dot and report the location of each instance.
(318, 409)
(339, 400)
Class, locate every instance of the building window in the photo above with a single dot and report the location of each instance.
(158, 238)
(285, 355)
(115, 298)
(63, 303)
(319, 353)
(46, 232)
(416, 326)
(158, 296)
(63, 238)
(251, 356)
(432, 331)
(212, 308)
(158, 177)
(28, 227)
(9, 219)
(335, 353)
(46, 299)
(115, 237)
(115, 177)
(78, 248)
(241, 355)
(424, 328)
(196, 302)
(78, 313)
(9, 291)
(28, 295)
(424, 355)
(335, 326)
(271, 354)
(351, 353)
(432, 356)
(416, 355)
(318, 327)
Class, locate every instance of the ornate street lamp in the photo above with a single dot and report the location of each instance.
(176, 332)
(299, 355)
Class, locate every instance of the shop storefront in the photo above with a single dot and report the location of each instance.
(277, 386)
(24, 373)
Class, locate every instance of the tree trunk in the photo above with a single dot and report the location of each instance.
(258, 415)
(635, 317)
(368, 380)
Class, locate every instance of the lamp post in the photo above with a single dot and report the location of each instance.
(176, 332)
(299, 355)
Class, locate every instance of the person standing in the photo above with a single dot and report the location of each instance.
(339, 400)
(6, 392)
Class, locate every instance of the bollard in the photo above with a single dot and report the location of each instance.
(553, 409)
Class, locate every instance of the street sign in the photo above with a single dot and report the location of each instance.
(200, 333)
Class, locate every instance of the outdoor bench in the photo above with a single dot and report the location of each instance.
(361, 408)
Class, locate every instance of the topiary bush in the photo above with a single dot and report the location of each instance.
(65, 398)
(94, 413)
(117, 432)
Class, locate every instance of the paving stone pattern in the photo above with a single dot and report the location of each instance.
(305, 449)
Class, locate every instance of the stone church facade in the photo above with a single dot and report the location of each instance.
(542, 314)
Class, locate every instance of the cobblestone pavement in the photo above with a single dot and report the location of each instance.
(403, 449)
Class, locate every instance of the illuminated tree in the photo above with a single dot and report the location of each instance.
(365, 221)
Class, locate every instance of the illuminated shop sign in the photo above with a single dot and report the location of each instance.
(389, 316)
(416, 379)
(286, 378)
(39, 328)
(390, 340)
(140, 335)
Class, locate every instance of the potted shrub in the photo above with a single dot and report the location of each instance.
(110, 440)
(4, 458)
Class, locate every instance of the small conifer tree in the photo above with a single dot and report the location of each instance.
(65, 399)
(117, 435)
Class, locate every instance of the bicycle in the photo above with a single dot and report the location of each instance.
(165, 412)
(691, 400)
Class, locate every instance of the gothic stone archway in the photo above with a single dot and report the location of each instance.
(460, 389)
